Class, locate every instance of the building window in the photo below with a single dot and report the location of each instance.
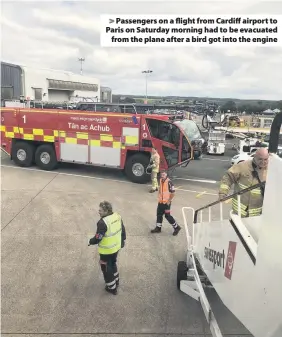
(7, 92)
(37, 94)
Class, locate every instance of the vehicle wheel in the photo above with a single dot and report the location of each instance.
(181, 272)
(23, 154)
(45, 157)
(135, 168)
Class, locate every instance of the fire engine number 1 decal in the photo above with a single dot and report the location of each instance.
(24, 118)
(145, 135)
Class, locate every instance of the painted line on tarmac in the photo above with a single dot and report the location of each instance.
(66, 174)
(197, 180)
(191, 191)
(82, 176)
(215, 159)
(201, 194)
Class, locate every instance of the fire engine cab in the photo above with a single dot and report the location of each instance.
(117, 139)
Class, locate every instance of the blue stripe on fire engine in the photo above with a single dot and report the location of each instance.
(135, 120)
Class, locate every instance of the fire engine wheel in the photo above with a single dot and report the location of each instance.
(23, 153)
(181, 272)
(45, 157)
(135, 168)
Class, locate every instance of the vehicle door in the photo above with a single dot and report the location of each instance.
(185, 150)
(168, 139)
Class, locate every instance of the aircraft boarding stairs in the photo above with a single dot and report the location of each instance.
(241, 258)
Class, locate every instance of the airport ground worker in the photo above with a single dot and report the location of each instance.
(110, 238)
(166, 194)
(244, 175)
(155, 167)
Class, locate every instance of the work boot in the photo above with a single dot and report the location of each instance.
(176, 230)
(111, 291)
(156, 230)
(152, 191)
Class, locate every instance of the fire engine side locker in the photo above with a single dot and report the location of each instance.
(105, 151)
(73, 146)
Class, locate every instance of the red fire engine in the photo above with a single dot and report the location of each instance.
(124, 141)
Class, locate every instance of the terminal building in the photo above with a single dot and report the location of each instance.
(35, 84)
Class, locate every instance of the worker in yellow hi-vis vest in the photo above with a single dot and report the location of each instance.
(110, 238)
(155, 167)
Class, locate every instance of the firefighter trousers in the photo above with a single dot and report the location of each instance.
(154, 178)
(164, 210)
(109, 269)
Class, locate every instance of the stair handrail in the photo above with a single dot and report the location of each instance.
(250, 188)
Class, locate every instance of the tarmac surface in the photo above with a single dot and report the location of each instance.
(51, 281)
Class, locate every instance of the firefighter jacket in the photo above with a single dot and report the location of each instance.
(110, 235)
(155, 162)
(244, 175)
(166, 188)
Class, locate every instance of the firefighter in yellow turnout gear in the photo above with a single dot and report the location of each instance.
(155, 166)
(244, 175)
(110, 238)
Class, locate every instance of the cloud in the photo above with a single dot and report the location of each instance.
(55, 34)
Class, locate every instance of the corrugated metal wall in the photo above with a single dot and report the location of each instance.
(11, 77)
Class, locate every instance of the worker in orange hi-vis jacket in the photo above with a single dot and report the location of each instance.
(166, 194)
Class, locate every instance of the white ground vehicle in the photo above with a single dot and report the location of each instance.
(241, 157)
(216, 142)
(239, 257)
(250, 145)
(238, 158)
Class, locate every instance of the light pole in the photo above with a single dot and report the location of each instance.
(146, 72)
(81, 59)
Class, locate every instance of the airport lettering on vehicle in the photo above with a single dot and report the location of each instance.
(214, 256)
(86, 127)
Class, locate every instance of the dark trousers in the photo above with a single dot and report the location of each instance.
(109, 269)
(164, 210)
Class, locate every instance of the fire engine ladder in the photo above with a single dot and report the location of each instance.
(196, 278)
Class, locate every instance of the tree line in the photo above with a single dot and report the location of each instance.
(254, 107)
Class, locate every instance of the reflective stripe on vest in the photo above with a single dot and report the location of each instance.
(164, 193)
(111, 242)
(244, 211)
(254, 191)
(224, 187)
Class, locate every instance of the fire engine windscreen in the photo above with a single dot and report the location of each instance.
(190, 128)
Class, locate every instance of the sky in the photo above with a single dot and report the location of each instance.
(54, 34)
